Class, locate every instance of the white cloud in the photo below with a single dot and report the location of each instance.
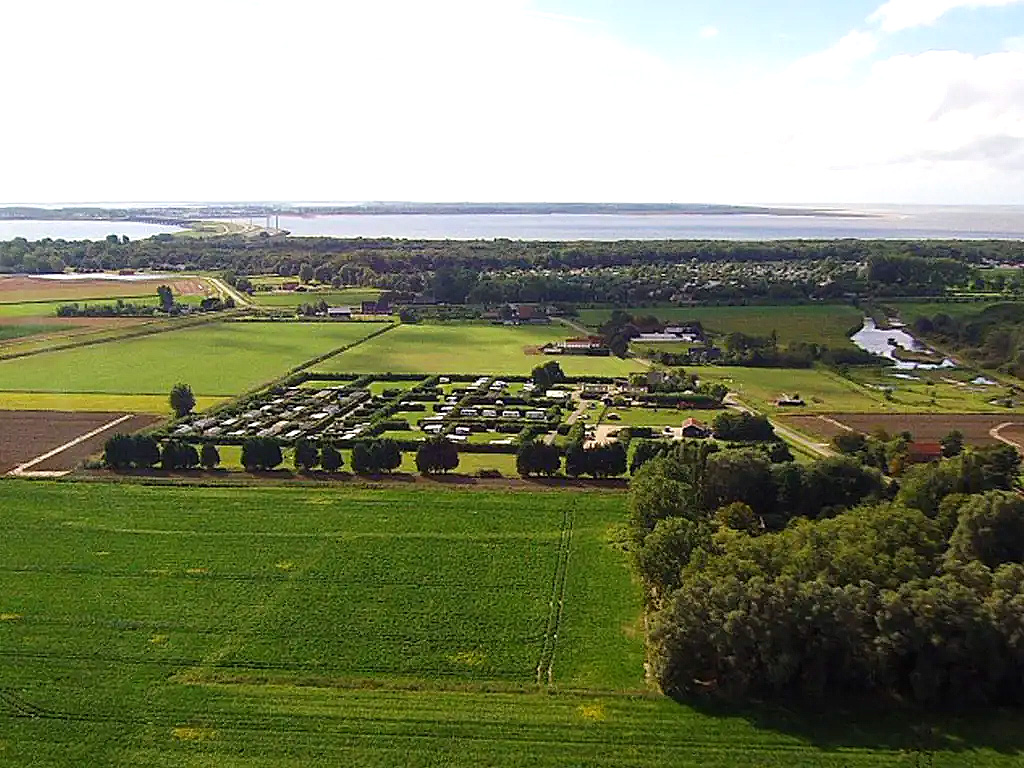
(839, 60)
(706, 33)
(463, 100)
(897, 15)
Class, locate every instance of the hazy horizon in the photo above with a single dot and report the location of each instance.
(829, 205)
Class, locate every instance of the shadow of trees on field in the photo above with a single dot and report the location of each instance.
(870, 725)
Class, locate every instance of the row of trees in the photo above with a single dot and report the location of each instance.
(144, 452)
(894, 593)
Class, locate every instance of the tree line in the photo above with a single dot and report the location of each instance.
(503, 270)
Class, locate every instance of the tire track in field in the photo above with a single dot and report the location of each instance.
(556, 605)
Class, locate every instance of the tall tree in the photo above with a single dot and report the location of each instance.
(166, 296)
(307, 454)
(209, 456)
(330, 457)
(182, 400)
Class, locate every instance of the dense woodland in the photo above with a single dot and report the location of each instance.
(504, 270)
(823, 582)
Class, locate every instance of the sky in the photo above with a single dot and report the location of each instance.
(718, 101)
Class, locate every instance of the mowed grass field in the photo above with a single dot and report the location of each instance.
(827, 324)
(216, 359)
(278, 626)
(466, 348)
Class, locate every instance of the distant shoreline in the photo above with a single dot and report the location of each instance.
(549, 222)
(185, 215)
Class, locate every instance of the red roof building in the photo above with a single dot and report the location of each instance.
(923, 453)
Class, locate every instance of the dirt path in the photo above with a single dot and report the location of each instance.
(835, 423)
(995, 434)
(22, 470)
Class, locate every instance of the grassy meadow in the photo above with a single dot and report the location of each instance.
(827, 324)
(821, 389)
(909, 311)
(216, 359)
(484, 349)
(167, 626)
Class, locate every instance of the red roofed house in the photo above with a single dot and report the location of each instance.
(923, 453)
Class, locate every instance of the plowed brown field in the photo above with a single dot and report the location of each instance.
(25, 435)
(924, 427)
(27, 288)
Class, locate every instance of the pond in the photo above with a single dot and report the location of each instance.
(884, 342)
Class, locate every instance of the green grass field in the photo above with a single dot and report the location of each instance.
(32, 308)
(484, 349)
(821, 389)
(909, 311)
(173, 626)
(827, 324)
(653, 417)
(21, 330)
(217, 359)
(339, 584)
(335, 297)
(60, 401)
(935, 391)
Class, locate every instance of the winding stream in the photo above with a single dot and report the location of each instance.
(884, 342)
